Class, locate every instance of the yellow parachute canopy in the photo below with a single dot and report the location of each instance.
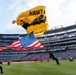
(33, 20)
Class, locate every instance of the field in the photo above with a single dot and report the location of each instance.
(40, 68)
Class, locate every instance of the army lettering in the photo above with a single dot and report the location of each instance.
(36, 12)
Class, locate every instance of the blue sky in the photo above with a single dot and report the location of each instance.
(59, 13)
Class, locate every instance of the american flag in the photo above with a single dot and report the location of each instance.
(17, 45)
(27, 42)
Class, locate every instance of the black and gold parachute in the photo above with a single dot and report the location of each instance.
(33, 20)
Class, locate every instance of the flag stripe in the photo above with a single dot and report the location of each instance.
(16, 44)
(5, 47)
(36, 44)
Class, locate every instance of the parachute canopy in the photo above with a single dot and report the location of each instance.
(33, 20)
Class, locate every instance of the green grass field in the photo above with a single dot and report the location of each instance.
(41, 68)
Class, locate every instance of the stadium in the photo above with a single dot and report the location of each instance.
(36, 61)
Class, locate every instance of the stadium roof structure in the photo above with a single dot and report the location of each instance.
(47, 32)
(61, 29)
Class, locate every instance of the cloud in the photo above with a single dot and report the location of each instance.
(14, 4)
(69, 16)
(14, 29)
(57, 16)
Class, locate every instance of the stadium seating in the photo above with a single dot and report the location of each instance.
(62, 41)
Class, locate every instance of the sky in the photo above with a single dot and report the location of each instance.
(60, 13)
